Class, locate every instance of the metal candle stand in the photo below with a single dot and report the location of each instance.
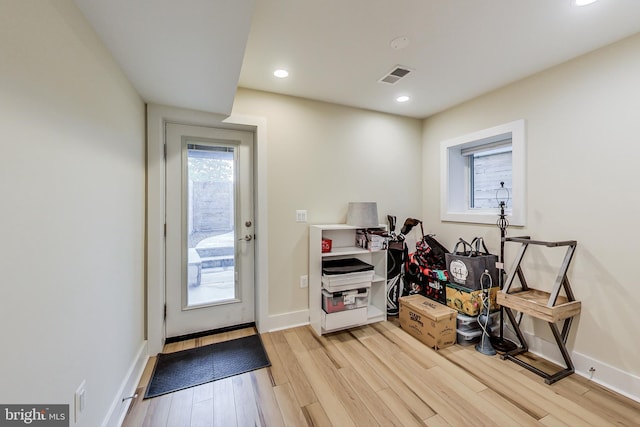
(500, 343)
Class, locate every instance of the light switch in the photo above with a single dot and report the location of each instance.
(301, 216)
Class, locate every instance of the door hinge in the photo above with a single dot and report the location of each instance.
(165, 230)
(165, 312)
(165, 151)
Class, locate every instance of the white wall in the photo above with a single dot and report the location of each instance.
(320, 157)
(582, 127)
(72, 212)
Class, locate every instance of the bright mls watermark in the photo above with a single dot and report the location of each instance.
(34, 415)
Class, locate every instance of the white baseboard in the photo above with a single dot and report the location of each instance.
(278, 322)
(119, 407)
(606, 375)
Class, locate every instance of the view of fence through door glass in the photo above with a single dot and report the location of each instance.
(210, 224)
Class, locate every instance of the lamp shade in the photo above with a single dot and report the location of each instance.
(363, 214)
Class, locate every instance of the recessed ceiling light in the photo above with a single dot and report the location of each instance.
(280, 73)
(583, 2)
(403, 98)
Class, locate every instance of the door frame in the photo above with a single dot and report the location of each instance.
(157, 117)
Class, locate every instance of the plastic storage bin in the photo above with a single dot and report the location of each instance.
(469, 323)
(343, 282)
(348, 273)
(472, 336)
(333, 302)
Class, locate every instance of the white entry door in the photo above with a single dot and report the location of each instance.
(210, 229)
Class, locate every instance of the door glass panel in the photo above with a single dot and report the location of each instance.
(210, 224)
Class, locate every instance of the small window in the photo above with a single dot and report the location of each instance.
(482, 169)
(490, 176)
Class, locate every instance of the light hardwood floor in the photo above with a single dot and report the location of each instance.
(378, 375)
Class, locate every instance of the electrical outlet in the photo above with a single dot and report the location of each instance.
(301, 216)
(80, 400)
(304, 281)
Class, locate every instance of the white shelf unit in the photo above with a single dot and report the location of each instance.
(343, 239)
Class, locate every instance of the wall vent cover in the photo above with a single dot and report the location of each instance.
(395, 74)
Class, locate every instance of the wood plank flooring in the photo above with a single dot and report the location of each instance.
(378, 375)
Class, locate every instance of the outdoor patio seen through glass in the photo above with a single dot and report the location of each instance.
(210, 224)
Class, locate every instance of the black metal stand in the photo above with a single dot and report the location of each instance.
(500, 343)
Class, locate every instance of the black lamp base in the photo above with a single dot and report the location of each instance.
(502, 345)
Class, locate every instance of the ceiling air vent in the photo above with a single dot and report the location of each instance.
(394, 75)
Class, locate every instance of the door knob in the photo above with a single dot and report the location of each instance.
(246, 238)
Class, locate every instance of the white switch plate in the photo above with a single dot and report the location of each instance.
(304, 281)
(301, 216)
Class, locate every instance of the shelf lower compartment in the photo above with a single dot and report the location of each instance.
(533, 302)
(343, 319)
(374, 314)
(331, 322)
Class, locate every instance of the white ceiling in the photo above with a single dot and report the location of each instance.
(183, 53)
(192, 53)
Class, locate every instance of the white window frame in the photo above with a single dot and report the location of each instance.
(455, 178)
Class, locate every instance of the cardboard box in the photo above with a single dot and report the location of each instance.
(468, 301)
(430, 322)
